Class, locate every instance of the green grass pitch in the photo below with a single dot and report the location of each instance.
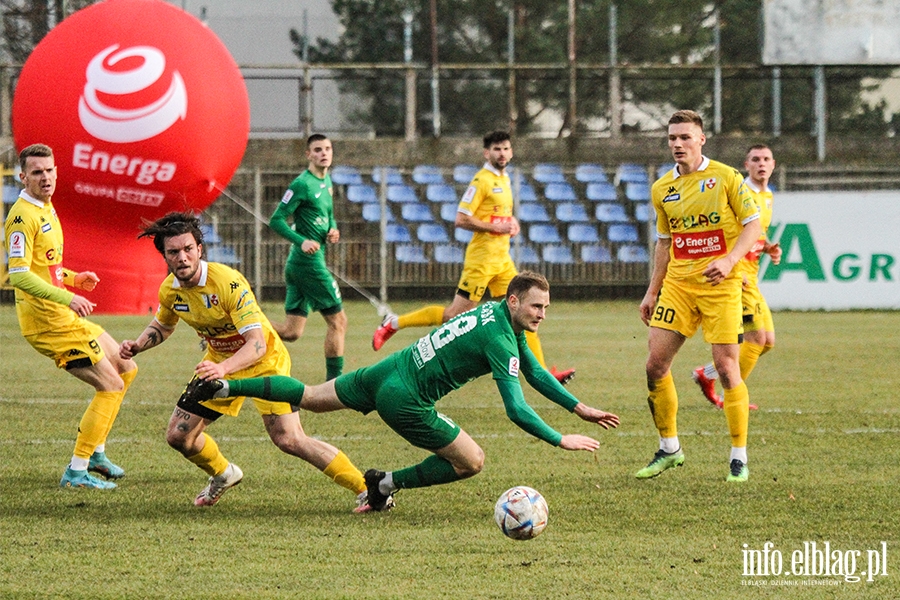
(823, 461)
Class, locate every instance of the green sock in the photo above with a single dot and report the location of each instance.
(277, 388)
(433, 470)
(334, 366)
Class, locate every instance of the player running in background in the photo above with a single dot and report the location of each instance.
(487, 210)
(309, 284)
(218, 303)
(51, 317)
(405, 386)
(705, 221)
(759, 328)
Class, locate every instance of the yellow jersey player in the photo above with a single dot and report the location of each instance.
(705, 222)
(759, 328)
(218, 303)
(52, 318)
(486, 209)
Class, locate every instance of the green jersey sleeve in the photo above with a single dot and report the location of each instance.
(523, 415)
(541, 380)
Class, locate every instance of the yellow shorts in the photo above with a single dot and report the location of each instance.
(277, 364)
(757, 316)
(683, 308)
(72, 347)
(479, 277)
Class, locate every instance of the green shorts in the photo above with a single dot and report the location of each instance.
(379, 387)
(310, 288)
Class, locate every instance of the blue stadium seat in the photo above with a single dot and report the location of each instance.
(432, 233)
(560, 192)
(440, 192)
(595, 254)
(222, 254)
(548, 173)
(210, 235)
(463, 236)
(416, 212)
(392, 175)
(611, 212)
(633, 254)
(631, 173)
(526, 193)
(571, 212)
(622, 232)
(590, 173)
(582, 233)
(401, 193)
(448, 254)
(429, 174)
(523, 254)
(464, 173)
(448, 212)
(361, 193)
(544, 234)
(637, 192)
(410, 253)
(602, 191)
(643, 212)
(372, 213)
(397, 233)
(533, 212)
(345, 175)
(663, 169)
(557, 254)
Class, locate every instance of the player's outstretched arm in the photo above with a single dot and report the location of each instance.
(595, 415)
(573, 441)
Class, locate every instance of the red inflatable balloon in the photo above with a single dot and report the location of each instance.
(146, 112)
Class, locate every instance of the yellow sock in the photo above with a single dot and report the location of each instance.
(430, 316)
(95, 422)
(750, 353)
(534, 344)
(345, 474)
(209, 458)
(127, 379)
(663, 401)
(737, 413)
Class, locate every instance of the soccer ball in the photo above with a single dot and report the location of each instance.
(521, 513)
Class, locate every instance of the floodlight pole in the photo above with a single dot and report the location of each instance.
(410, 76)
(615, 78)
(435, 95)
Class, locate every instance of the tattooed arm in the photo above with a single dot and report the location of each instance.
(253, 350)
(154, 335)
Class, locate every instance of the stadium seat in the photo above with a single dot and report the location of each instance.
(602, 191)
(448, 212)
(548, 173)
(361, 193)
(392, 175)
(372, 213)
(560, 192)
(533, 212)
(448, 254)
(526, 193)
(611, 212)
(582, 233)
(464, 173)
(544, 234)
(463, 236)
(590, 173)
(631, 173)
(595, 254)
(643, 212)
(432, 233)
(621, 232)
(637, 192)
(571, 212)
(440, 192)
(210, 235)
(557, 254)
(410, 253)
(427, 174)
(401, 193)
(416, 212)
(633, 254)
(222, 254)
(523, 254)
(345, 175)
(397, 233)
(663, 169)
